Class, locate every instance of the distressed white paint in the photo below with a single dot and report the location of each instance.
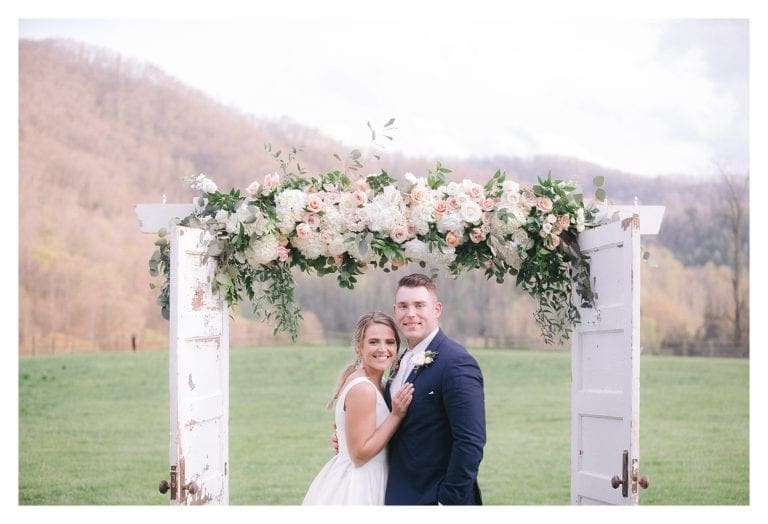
(198, 373)
(605, 367)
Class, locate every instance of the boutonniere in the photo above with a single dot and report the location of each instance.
(423, 360)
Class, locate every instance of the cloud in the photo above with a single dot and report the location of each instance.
(645, 96)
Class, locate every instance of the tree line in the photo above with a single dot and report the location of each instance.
(99, 133)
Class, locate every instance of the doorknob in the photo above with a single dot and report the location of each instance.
(165, 485)
(642, 481)
(622, 481)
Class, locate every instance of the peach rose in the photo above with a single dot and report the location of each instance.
(418, 194)
(440, 207)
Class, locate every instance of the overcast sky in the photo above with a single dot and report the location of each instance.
(648, 97)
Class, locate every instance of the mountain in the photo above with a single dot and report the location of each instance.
(99, 133)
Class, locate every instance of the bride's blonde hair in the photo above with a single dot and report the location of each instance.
(374, 317)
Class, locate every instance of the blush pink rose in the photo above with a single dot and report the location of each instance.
(452, 239)
(253, 188)
(529, 199)
(271, 181)
(544, 204)
(303, 230)
(477, 235)
(488, 204)
(551, 242)
(440, 207)
(314, 203)
(399, 234)
(358, 197)
(283, 253)
(312, 220)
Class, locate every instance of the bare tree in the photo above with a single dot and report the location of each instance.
(736, 193)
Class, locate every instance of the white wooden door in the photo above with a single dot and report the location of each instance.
(605, 367)
(198, 375)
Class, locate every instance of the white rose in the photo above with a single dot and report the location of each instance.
(471, 212)
(418, 359)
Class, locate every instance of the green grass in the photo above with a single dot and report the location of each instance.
(93, 429)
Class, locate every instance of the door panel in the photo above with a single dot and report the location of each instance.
(605, 369)
(198, 374)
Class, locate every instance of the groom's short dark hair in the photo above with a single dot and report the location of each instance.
(418, 280)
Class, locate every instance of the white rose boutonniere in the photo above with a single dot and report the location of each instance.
(423, 360)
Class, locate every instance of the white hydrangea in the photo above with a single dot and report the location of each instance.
(333, 221)
(515, 218)
(204, 184)
(262, 251)
(289, 206)
(310, 246)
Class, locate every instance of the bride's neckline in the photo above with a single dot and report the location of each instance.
(378, 387)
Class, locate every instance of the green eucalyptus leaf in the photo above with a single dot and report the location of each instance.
(600, 194)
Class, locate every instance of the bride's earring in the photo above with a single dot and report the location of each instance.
(358, 362)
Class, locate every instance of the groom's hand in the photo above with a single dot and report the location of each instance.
(335, 440)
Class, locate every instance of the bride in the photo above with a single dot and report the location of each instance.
(364, 424)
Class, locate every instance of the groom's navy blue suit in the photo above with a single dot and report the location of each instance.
(435, 453)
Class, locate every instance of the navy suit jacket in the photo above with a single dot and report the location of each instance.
(436, 451)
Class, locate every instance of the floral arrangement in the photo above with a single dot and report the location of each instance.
(334, 224)
(423, 359)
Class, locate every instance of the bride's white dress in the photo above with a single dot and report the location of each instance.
(340, 482)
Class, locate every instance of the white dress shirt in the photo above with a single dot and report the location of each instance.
(406, 366)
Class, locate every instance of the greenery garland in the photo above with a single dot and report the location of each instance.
(332, 224)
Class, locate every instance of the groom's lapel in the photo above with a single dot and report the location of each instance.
(435, 343)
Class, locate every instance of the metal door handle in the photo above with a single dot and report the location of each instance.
(623, 481)
(643, 481)
(165, 485)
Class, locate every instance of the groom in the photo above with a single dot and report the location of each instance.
(435, 454)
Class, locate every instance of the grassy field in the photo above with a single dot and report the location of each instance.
(93, 428)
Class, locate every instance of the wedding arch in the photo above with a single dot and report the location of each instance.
(565, 252)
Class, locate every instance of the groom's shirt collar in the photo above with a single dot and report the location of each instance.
(424, 344)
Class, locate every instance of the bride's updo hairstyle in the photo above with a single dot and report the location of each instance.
(374, 317)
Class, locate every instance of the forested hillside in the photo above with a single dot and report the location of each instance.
(99, 133)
